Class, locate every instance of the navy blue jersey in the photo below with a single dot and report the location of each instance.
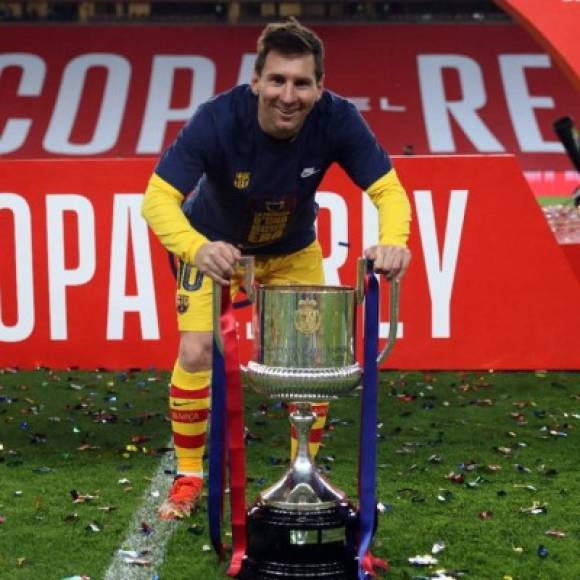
(257, 192)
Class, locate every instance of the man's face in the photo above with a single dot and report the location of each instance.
(287, 91)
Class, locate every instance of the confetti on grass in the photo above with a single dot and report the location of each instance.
(424, 560)
(555, 533)
(438, 547)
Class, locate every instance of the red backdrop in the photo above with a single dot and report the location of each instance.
(82, 283)
(123, 91)
(555, 24)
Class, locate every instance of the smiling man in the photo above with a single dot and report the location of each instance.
(288, 87)
(252, 159)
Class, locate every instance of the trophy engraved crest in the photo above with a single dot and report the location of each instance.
(307, 317)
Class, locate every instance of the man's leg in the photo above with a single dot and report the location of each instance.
(189, 392)
(189, 408)
(189, 401)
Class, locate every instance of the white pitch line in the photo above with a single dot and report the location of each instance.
(138, 541)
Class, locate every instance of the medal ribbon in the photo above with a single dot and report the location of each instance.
(368, 427)
(215, 501)
(229, 410)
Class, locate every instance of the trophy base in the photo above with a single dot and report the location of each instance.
(295, 545)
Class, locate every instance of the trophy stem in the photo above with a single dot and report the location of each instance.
(302, 420)
(302, 487)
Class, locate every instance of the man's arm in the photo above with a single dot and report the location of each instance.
(161, 209)
(391, 255)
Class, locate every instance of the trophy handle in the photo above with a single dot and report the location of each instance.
(247, 264)
(361, 270)
(394, 291)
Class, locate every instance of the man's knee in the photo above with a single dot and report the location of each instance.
(195, 351)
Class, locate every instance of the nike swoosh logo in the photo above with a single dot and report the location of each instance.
(309, 172)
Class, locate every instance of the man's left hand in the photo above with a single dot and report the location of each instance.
(391, 261)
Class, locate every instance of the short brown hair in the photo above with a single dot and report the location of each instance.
(290, 38)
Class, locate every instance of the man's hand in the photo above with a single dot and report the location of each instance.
(391, 261)
(218, 261)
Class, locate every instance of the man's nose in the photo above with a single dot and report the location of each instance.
(288, 94)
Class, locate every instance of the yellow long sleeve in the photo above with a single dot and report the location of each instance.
(390, 199)
(161, 209)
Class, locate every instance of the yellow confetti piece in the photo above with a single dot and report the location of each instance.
(132, 448)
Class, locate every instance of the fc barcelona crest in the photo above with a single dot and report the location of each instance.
(307, 317)
(242, 179)
(182, 303)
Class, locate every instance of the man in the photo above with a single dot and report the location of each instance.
(254, 157)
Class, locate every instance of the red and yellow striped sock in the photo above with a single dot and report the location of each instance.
(321, 410)
(189, 408)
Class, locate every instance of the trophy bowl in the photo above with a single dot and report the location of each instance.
(303, 342)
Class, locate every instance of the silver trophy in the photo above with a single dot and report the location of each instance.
(304, 342)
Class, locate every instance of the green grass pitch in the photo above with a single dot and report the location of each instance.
(485, 463)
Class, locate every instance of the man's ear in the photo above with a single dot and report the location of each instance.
(320, 87)
(254, 83)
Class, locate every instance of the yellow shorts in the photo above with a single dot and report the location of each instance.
(194, 290)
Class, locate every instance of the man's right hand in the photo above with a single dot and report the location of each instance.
(218, 261)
